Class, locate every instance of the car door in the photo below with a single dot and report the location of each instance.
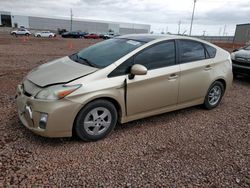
(20, 31)
(196, 71)
(159, 87)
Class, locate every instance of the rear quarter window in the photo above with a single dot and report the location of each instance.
(211, 50)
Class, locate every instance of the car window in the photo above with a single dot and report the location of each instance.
(191, 51)
(107, 52)
(123, 69)
(211, 50)
(247, 48)
(158, 56)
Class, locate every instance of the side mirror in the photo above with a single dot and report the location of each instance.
(137, 70)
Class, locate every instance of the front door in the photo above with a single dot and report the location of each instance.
(159, 87)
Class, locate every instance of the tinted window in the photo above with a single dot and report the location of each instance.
(122, 69)
(160, 55)
(191, 51)
(211, 51)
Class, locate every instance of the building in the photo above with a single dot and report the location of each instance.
(41, 23)
(242, 33)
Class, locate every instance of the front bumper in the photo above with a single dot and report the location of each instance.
(60, 115)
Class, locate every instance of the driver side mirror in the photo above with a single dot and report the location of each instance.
(137, 69)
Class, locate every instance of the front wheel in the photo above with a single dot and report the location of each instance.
(96, 120)
(214, 95)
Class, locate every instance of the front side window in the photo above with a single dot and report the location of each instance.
(191, 51)
(107, 52)
(157, 56)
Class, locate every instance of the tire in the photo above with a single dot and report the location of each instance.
(27, 34)
(98, 127)
(38, 36)
(214, 95)
(50, 36)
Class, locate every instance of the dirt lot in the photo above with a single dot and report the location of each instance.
(187, 148)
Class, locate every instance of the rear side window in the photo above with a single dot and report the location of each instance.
(191, 51)
(157, 56)
(211, 50)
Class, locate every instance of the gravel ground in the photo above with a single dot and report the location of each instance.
(187, 148)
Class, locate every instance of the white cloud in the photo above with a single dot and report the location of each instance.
(210, 15)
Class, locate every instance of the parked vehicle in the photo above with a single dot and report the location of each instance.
(74, 34)
(91, 36)
(121, 80)
(110, 36)
(241, 61)
(21, 31)
(45, 34)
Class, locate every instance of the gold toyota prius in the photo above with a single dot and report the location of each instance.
(120, 80)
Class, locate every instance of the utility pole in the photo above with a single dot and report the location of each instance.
(179, 27)
(192, 19)
(224, 31)
(71, 19)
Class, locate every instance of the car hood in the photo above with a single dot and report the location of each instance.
(59, 71)
(243, 53)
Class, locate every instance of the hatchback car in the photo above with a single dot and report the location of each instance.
(121, 80)
(46, 34)
(241, 61)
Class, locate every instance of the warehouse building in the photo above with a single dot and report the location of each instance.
(242, 33)
(41, 23)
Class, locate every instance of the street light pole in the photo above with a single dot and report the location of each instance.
(192, 19)
(71, 19)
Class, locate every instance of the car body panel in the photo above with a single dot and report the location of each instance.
(155, 80)
(61, 70)
(144, 96)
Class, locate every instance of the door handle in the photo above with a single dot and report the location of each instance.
(208, 67)
(173, 76)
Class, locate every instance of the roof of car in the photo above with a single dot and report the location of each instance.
(149, 37)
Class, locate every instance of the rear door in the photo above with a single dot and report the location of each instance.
(196, 70)
(159, 87)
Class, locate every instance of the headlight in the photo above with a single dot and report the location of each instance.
(56, 92)
(233, 56)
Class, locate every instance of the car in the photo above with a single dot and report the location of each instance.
(74, 34)
(120, 80)
(241, 61)
(21, 31)
(110, 35)
(45, 34)
(92, 36)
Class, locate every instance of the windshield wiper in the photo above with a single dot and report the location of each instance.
(86, 61)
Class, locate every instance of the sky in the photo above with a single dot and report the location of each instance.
(212, 17)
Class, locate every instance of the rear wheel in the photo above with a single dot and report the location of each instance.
(214, 95)
(96, 120)
(27, 34)
(50, 36)
(38, 35)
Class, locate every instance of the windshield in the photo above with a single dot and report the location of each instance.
(107, 52)
(247, 47)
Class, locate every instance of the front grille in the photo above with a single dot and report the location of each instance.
(243, 63)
